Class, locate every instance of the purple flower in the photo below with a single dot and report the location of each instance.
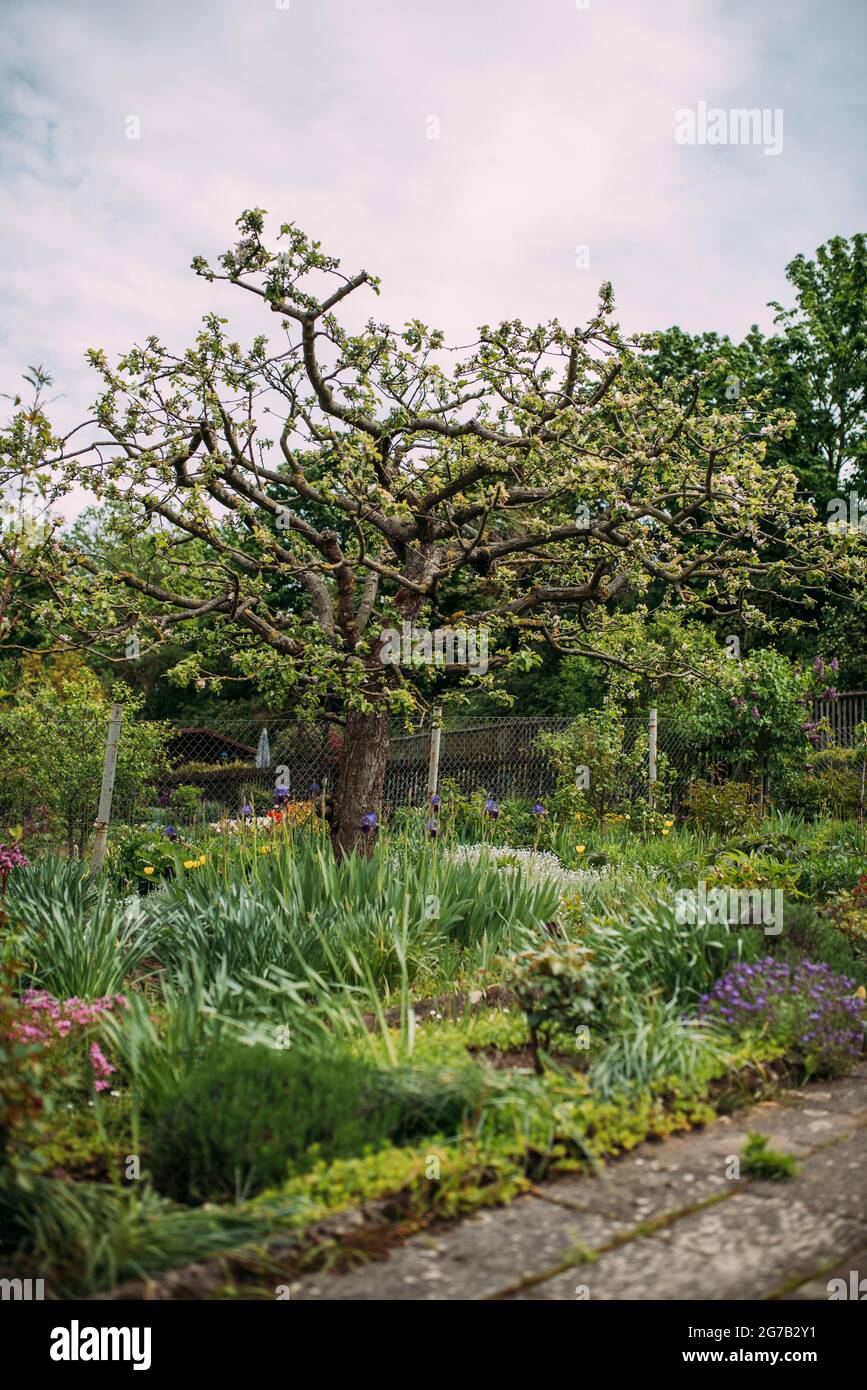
(432, 829)
(435, 803)
(492, 808)
(539, 809)
(281, 793)
(835, 665)
(315, 789)
(830, 693)
(755, 712)
(819, 666)
(369, 822)
(170, 832)
(798, 1004)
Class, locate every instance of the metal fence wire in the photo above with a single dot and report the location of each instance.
(220, 767)
(237, 762)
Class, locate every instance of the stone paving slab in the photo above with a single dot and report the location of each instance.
(739, 1249)
(655, 1177)
(663, 1222)
(476, 1259)
(816, 1289)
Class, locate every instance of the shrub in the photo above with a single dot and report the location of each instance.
(52, 747)
(846, 919)
(721, 808)
(249, 1116)
(755, 714)
(811, 935)
(187, 801)
(141, 857)
(803, 1005)
(599, 741)
(828, 785)
(557, 987)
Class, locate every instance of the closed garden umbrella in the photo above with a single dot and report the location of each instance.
(263, 752)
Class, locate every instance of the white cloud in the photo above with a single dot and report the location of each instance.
(556, 130)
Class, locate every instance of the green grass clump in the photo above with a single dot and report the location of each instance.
(247, 1117)
(758, 1161)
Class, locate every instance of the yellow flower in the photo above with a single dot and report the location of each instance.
(149, 869)
(579, 849)
(203, 859)
(666, 830)
(191, 863)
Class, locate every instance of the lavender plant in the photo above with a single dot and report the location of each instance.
(818, 1016)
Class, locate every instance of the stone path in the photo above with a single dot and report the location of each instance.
(664, 1222)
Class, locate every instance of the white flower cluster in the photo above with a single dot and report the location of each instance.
(233, 826)
(537, 865)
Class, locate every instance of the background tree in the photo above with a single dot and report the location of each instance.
(52, 745)
(814, 369)
(25, 520)
(540, 482)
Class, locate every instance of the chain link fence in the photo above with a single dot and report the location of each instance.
(209, 772)
(233, 763)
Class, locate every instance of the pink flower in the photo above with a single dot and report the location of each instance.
(101, 1065)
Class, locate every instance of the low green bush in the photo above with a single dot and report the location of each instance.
(247, 1117)
(721, 808)
(187, 802)
(134, 849)
(557, 987)
(828, 785)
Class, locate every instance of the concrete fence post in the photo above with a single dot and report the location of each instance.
(652, 729)
(433, 767)
(109, 767)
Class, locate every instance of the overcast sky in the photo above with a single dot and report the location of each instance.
(556, 131)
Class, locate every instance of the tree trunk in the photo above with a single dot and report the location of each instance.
(360, 781)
